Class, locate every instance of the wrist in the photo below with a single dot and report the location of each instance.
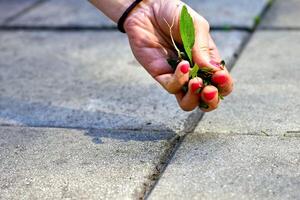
(141, 12)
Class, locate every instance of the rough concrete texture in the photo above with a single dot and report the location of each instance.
(85, 80)
(227, 13)
(258, 159)
(64, 13)
(10, 8)
(224, 13)
(283, 14)
(265, 99)
(43, 163)
(209, 166)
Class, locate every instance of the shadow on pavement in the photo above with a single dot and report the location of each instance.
(25, 113)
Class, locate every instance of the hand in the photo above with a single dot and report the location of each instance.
(150, 41)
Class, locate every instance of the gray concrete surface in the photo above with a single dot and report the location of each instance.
(64, 13)
(10, 8)
(227, 13)
(283, 14)
(265, 99)
(43, 163)
(247, 149)
(222, 13)
(86, 80)
(214, 166)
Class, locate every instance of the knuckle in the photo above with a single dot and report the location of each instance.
(171, 89)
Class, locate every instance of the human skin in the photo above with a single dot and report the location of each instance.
(149, 37)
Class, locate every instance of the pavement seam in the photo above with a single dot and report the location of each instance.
(101, 28)
(160, 167)
(176, 141)
(278, 29)
(84, 128)
(168, 157)
(4, 28)
(255, 134)
(55, 28)
(23, 11)
(170, 152)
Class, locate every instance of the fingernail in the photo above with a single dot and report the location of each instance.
(209, 95)
(185, 68)
(196, 86)
(220, 80)
(214, 63)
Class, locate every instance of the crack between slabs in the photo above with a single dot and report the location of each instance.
(112, 28)
(255, 134)
(88, 128)
(23, 11)
(175, 143)
(8, 27)
(177, 140)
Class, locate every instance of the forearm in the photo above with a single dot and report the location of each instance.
(112, 8)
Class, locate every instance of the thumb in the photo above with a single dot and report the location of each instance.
(201, 49)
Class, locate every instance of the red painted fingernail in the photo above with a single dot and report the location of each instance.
(185, 68)
(209, 95)
(220, 80)
(196, 86)
(214, 63)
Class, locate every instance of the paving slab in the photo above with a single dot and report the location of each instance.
(87, 80)
(229, 13)
(43, 163)
(10, 8)
(72, 13)
(265, 99)
(247, 149)
(214, 166)
(283, 14)
(224, 13)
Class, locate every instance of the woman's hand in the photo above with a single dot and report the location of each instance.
(149, 37)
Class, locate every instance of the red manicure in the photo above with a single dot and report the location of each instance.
(209, 95)
(220, 80)
(185, 68)
(196, 86)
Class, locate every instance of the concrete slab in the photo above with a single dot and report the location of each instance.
(42, 163)
(86, 80)
(224, 13)
(72, 13)
(228, 13)
(11, 8)
(265, 100)
(212, 166)
(235, 153)
(283, 14)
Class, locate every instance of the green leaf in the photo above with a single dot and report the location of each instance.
(206, 70)
(203, 105)
(198, 90)
(257, 20)
(194, 71)
(221, 97)
(187, 32)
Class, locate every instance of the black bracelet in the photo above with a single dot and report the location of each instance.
(125, 14)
